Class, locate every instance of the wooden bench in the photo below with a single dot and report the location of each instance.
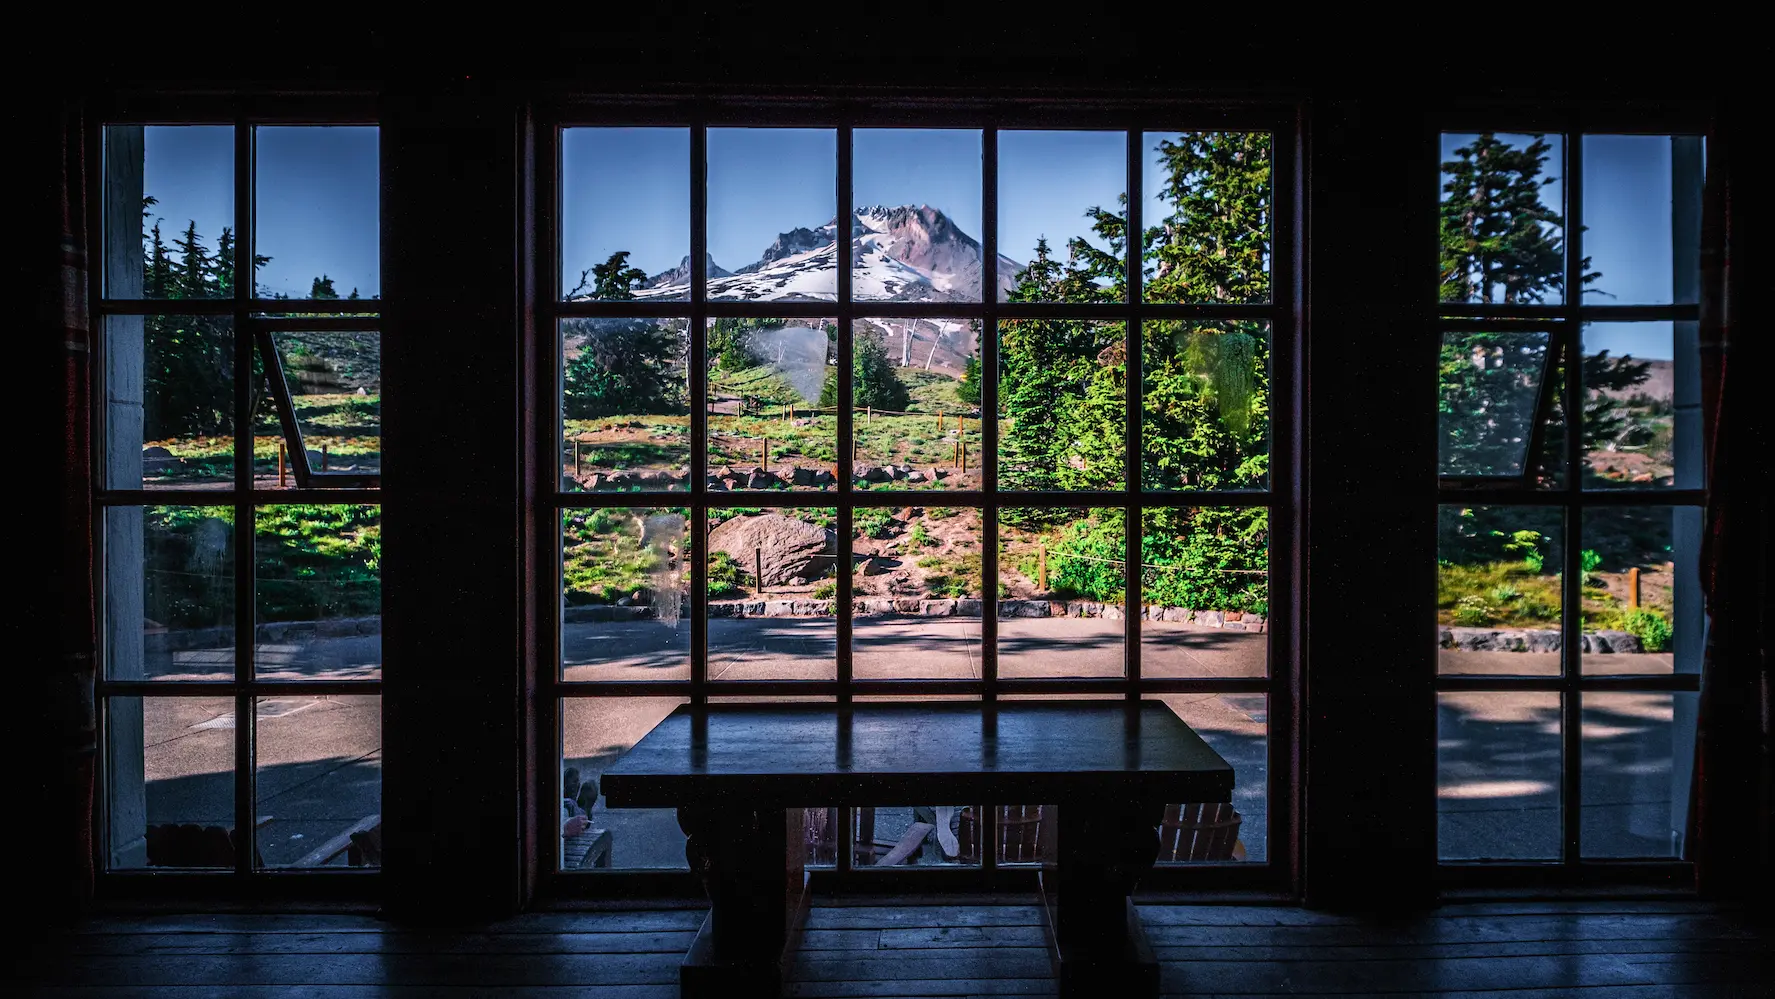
(741, 776)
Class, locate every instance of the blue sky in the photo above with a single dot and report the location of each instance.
(318, 198)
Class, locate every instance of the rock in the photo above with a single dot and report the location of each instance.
(1212, 619)
(824, 478)
(1542, 640)
(724, 472)
(752, 608)
(936, 608)
(939, 473)
(804, 477)
(760, 479)
(915, 476)
(1111, 612)
(779, 608)
(1175, 614)
(160, 453)
(623, 601)
(716, 485)
(908, 605)
(879, 475)
(733, 482)
(876, 565)
(1023, 608)
(968, 607)
(724, 610)
(1084, 608)
(798, 581)
(900, 471)
(592, 481)
(790, 547)
(1612, 642)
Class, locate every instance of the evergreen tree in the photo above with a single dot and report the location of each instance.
(192, 279)
(224, 268)
(322, 288)
(624, 366)
(874, 383)
(1500, 242)
(158, 281)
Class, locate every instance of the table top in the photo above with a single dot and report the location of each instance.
(796, 755)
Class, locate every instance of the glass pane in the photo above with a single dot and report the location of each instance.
(1643, 608)
(625, 214)
(916, 592)
(916, 387)
(1498, 590)
(916, 233)
(320, 780)
(1642, 419)
(773, 214)
(1207, 217)
(1205, 406)
(1062, 386)
(771, 583)
(625, 404)
(317, 205)
(1060, 573)
(318, 592)
(169, 211)
(1502, 218)
(169, 781)
(1491, 392)
(169, 593)
(625, 609)
(169, 402)
(1642, 218)
(1061, 215)
(1497, 774)
(1205, 585)
(1630, 804)
(772, 397)
(595, 733)
(1236, 726)
(335, 385)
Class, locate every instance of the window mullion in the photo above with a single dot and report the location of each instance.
(1131, 400)
(697, 530)
(244, 619)
(847, 447)
(989, 298)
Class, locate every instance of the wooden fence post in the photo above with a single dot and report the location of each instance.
(1633, 588)
(576, 459)
(1041, 568)
(758, 568)
(323, 457)
(939, 421)
(280, 465)
(764, 454)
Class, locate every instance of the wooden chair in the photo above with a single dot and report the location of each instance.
(1019, 834)
(866, 850)
(175, 844)
(1200, 832)
(357, 842)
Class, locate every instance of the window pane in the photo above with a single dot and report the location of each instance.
(1643, 608)
(318, 592)
(1205, 406)
(1205, 586)
(773, 213)
(1062, 388)
(169, 781)
(916, 387)
(1207, 217)
(335, 386)
(916, 235)
(169, 402)
(625, 612)
(772, 580)
(1497, 769)
(320, 781)
(169, 211)
(317, 211)
(917, 601)
(772, 397)
(1061, 590)
(1236, 726)
(625, 404)
(1502, 218)
(595, 733)
(1492, 394)
(1630, 804)
(1642, 413)
(1060, 215)
(1642, 218)
(1498, 590)
(625, 213)
(169, 593)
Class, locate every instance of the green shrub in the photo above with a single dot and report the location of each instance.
(920, 538)
(874, 521)
(1650, 627)
(726, 576)
(1472, 611)
(1503, 593)
(826, 590)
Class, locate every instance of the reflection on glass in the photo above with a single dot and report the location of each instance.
(1491, 392)
(915, 384)
(320, 780)
(1060, 575)
(174, 186)
(773, 214)
(772, 403)
(1498, 590)
(1205, 590)
(1642, 218)
(1502, 221)
(595, 733)
(1060, 212)
(772, 580)
(625, 409)
(169, 782)
(1497, 776)
(169, 402)
(169, 593)
(1205, 405)
(625, 583)
(1642, 591)
(625, 214)
(1632, 436)
(318, 592)
(916, 588)
(335, 386)
(1236, 726)
(1630, 808)
(1062, 383)
(1207, 217)
(317, 211)
(889, 837)
(916, 232)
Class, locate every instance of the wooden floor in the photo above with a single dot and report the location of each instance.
(873, 947)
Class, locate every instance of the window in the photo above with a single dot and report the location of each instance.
(239, 461)
(1571, 622)
(854, 412)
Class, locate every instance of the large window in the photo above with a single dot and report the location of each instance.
(851, 412)
(238, 449)
(1571, 621)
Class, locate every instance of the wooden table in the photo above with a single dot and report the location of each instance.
(740, 776)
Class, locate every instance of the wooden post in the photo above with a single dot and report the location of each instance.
(939, 421)
(280, 465)
(758, 568)
(1633, 588)
(764, 454)
(1041, 568)
(323, 457)
(576, 459)
(868, 415)
(962, 446)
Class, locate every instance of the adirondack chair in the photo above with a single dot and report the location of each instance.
(1200, 832)
(867, 850)
(1019, 834)
(187, 844)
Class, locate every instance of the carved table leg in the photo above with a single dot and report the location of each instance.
(1104, 849)
(750, 865)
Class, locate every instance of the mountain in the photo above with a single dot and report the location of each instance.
(680, 275)
(907, 253)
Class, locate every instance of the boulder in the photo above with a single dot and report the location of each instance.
(1612, 641)
(761, 479)
(936, 608)
(967, 607)
(1022, 608)
(789, 547)
(824, 478)
(805, 477)
(879, 474)
(915, 476)
(156, 452)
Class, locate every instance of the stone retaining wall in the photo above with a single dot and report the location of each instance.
(1532, 640)
(274, 631)
(923, 607)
